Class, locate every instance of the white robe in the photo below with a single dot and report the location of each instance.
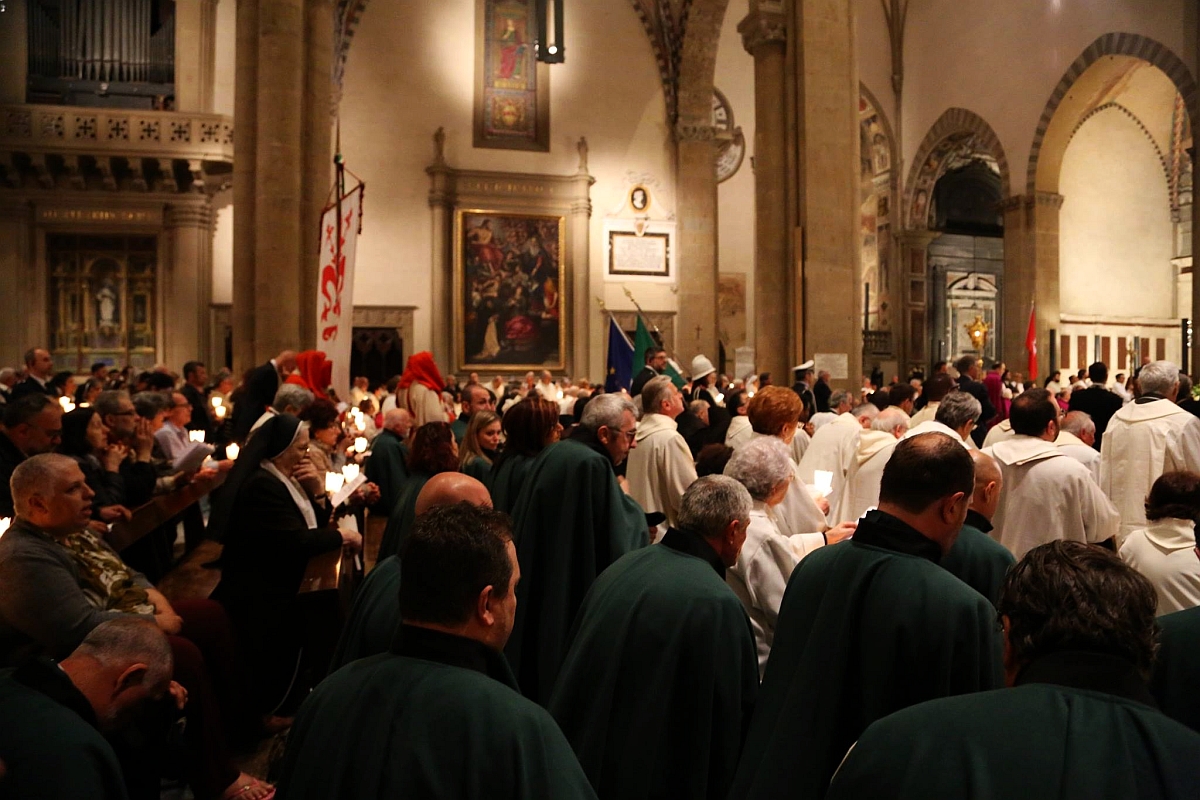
(1047, 496)
(926, 414)
(660, 467)
(1144, 440)
(866, 472)
(832, 449)
(739, 432)
(1001, 432)
(933, 426)
(1163, 552)
(547, 391)
(800, 443)
(761, 574)
(799, 515)
(1073, 446)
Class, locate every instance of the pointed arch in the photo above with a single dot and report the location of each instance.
(957, 133)
(1054, 130)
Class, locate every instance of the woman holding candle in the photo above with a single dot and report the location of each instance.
(85, 439)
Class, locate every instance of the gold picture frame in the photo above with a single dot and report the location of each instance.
(510, 293)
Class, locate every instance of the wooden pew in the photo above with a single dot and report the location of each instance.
(158, 511)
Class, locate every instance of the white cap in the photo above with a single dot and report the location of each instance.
(806, 365)
(701, 366)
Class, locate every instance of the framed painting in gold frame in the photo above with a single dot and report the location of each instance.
(509, 293)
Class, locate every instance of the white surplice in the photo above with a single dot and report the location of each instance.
(832, 450)
(799, 515)
(1163, 551)
(1000, 432)
(866, 472)
(1046, 496)
(739, 432)
(933, 426)
(1074, 447)
(660, 467)
(761, 574)
(926, 414)
(1144, 440)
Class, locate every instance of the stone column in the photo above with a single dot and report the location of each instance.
(187, 280)
(18, 287)
(1031, 228)
(579, 323)
(282, 172)
(14, 56)
(1194, 366)
(764, 35)
(195, 54)
(911, 325)
(826, 144)
(696, 176)
(245, 175)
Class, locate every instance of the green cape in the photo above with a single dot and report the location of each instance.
(979, 561)
(480, 469)
(658, 686)
(570, 522)
(387, 468)
(374, 615)
(507, 477)
(1176, 681)
(400, 521)
(863, 631)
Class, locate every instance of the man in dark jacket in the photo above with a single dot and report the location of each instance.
(259, 392)
(32, 425)
(656, 362)
(1097, 400)
(968, 381)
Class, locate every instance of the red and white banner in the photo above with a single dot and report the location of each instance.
(335, 287)
(1031, 345)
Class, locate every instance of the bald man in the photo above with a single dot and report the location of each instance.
(376, 611)
(976, 558)
(387, 465)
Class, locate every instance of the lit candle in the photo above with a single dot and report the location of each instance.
(334, 481)
(196, 436)
(360, 445)
(350, 471)
(66, 404)
(231, 451)
(220, 411)
(4, 523)
(217, 402)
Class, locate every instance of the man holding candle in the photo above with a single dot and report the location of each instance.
(195, 377)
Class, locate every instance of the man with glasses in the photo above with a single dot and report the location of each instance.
(570, 521)
(656, 691)
(116, 411)
(1047, 495)
(32, 426)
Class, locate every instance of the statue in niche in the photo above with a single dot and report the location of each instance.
(106, 306)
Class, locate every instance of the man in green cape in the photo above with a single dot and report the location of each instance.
(870, 626)
(387, 467)
(976, 558)
(375, 615)
(475, 397)
(439, 715)
(1079, 722)
(658, 686)
(570, 522)
(1176, 680)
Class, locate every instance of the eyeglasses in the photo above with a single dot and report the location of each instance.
(129, 413)
(629, 434)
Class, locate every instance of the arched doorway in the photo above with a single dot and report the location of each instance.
(1112, 268)
(953, 231)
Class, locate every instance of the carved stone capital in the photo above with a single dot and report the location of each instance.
(1048, 199)
(690, 131)
(764, 26)
(189, 215)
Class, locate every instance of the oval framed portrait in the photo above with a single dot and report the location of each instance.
(639, 199)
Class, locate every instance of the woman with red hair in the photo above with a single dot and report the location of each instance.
(420, 390)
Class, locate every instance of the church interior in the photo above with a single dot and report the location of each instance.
(384, 383)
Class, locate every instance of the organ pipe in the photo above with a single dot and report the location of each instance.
(100, 40)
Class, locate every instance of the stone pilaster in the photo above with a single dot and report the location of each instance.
(764, 35)
(1194, 366)
(21, 326)
(195, 54)
(284, 134)
(187, 280)
(441, 204)
(1031, 232)
(696, 332)
(825, 140)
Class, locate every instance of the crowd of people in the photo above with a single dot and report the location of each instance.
(960, 584)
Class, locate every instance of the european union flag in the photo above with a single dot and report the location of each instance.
(619, 374)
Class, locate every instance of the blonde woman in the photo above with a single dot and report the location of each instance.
(480, 446)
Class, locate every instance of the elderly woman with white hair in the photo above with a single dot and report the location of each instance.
(768, 557)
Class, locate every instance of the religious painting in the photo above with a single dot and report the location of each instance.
(509, 304)
(512, 90)
(876, 194)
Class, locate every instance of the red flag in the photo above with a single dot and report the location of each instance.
(1031, 344)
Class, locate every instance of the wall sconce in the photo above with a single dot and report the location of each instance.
(550, 31)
